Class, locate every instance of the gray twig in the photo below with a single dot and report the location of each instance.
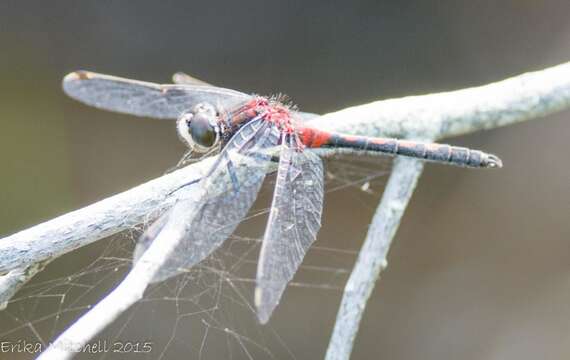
(423, 117)
(129, 291)
(372, 257)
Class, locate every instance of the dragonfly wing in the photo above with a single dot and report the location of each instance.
(145, 98)
(227, 194)
(294, 220)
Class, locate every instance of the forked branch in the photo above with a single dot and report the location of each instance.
(427, 117)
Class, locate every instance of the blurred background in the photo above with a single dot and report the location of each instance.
(480, 266)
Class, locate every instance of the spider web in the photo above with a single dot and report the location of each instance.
(205, 313)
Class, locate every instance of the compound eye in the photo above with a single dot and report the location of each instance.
(203, 132)
(199, 128)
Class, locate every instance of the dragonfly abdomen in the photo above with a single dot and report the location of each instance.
(441, 153)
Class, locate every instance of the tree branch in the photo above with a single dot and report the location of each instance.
(423, 117)
(525, 97)
(441, 115)
(127, 293)
(372, 256)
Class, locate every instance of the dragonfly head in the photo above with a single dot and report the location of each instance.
(199, 128)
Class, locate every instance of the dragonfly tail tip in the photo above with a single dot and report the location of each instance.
(493, 161)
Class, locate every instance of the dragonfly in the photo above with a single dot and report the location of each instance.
(252, 133)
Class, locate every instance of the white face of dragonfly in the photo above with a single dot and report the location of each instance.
(199, 128)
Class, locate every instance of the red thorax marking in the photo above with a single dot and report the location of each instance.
(274, 112)
(271, 111)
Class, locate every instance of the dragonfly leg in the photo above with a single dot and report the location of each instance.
(184, 185)
(185, 160)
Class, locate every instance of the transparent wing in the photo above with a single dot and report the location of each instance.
(294, 220)
(144, 98)
(203, 223)
(183, 78)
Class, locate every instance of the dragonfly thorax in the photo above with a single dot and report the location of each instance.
(272, 110)
(199, 128)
